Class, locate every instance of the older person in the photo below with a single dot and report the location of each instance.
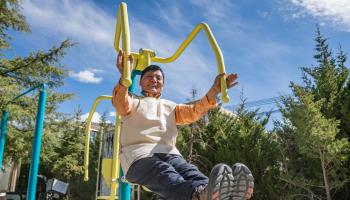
(148, 153)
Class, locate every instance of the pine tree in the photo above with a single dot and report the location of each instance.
(314, 130)
(20, 73)
(10, 18)
(241, 138)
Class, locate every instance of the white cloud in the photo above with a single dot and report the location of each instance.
(336, 12)
(86, 76)
(81, 20)
(112, 114)
(96, 118)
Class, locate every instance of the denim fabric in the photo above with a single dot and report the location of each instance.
(167, 175)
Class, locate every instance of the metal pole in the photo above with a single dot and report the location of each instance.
(124, 189)
(34, 165)
(133, 77)
(4, 120)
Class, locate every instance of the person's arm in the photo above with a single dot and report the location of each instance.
(186, 114)
(121, 99)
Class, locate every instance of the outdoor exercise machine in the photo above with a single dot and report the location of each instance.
(110, 167)
(36, 145)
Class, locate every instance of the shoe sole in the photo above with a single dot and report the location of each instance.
(221, 180)
(243, 180)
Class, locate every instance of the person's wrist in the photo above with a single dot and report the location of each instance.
(212, 94)
(120, 81)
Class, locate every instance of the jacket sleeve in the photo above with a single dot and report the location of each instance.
(188, 113)
(121, 100)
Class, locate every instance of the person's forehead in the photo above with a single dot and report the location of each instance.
(154, 73)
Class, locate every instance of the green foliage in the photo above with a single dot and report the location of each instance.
(10, 18)
(314, 132)
(68, 162)
(23, 111)
(243, 138)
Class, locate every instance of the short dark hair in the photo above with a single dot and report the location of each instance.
(152, 68)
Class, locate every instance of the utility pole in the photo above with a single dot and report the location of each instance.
(190, 150)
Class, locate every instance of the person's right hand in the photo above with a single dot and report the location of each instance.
(120, 62)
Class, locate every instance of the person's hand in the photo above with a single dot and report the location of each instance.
(120, 61)
(230, 82)
(216, 87)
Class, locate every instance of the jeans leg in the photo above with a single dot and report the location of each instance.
(160, 177)
(186, 170)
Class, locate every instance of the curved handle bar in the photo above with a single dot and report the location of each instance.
(215, 47)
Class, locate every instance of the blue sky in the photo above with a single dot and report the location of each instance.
(265, 42)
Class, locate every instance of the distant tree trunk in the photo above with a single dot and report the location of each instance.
(190, 150)
(16, 170)
(325, 179)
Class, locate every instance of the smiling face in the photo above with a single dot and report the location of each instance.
(152, 83)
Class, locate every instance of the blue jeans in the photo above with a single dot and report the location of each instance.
(167, 175)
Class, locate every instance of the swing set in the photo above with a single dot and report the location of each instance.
(110, 167)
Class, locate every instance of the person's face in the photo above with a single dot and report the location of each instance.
(152, 83)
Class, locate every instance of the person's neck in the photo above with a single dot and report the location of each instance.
(147, 94)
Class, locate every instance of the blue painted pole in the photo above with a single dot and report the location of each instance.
(124, 189)
(4, 119)
(34, 165)
(133, 77)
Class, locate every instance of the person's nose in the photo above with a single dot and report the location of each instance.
(154, 79)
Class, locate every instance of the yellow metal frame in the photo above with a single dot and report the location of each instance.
(219, 58)
(144, 57)
(115, 158)
(122, 29)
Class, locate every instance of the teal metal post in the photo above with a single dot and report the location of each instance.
(133, 76)
(34, 165)
(124, 189)
(5, 116)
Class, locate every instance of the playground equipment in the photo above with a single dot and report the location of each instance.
(34, 164)
(110, 167)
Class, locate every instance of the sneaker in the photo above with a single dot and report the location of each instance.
(221, 183)
(243, 182)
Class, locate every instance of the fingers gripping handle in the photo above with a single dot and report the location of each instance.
(225, 98)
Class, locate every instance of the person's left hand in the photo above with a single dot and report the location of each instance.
(230, 81)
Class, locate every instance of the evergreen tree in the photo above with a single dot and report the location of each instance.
(10, 18)
(314, 129)
(18, 74)
(241, 138)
